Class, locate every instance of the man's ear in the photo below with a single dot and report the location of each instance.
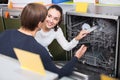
(39, 24)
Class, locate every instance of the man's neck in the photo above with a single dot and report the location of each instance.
(27, 32)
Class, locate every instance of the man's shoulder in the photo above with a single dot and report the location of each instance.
(8, 31)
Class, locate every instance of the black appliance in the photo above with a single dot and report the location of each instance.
(3, 1)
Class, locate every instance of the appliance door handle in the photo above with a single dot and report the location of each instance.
(14, 17)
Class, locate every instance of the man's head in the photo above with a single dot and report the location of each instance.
(32, 14)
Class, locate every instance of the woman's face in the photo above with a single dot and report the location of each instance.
(52, 18)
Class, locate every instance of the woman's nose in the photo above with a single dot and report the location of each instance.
(51, 20)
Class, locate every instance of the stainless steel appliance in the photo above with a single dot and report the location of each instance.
(1, 21)
(102, 56)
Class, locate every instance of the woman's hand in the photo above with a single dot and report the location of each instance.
(81, 34)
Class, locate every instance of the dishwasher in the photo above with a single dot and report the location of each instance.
(12, 20)
(1, 21)
(102, 55)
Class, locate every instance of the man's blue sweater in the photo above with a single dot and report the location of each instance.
(10, 39)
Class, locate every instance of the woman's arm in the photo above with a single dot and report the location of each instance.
(69, 45)
(63, 42)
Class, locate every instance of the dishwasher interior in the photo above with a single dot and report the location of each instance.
(102, 54)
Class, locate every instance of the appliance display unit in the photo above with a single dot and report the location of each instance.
(102, 55)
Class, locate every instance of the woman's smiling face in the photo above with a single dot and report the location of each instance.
(52, 18)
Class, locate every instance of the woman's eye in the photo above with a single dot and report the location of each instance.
(48, 15)
(56, 19)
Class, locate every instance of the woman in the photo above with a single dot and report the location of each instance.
(52, 30)
(32, 18)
